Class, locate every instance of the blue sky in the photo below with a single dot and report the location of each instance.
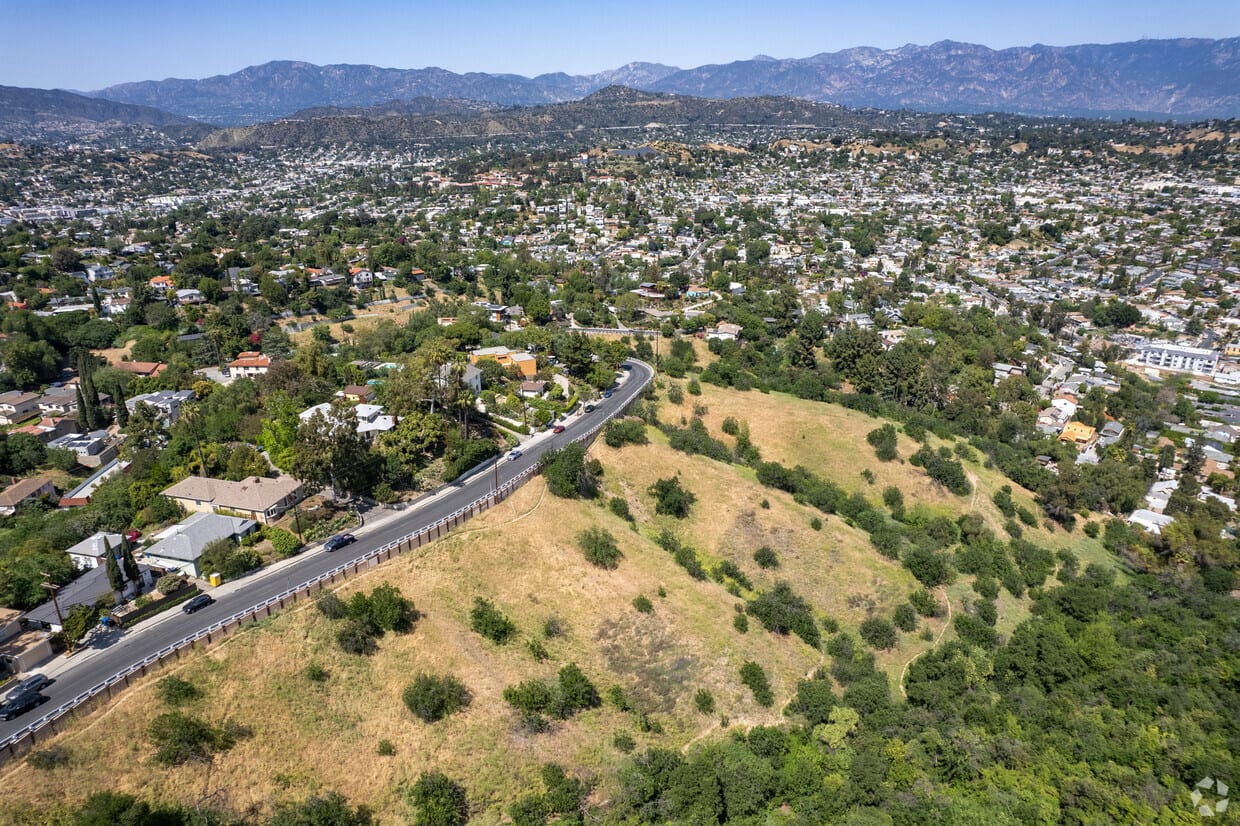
(90, 44)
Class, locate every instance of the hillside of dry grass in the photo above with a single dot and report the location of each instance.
(312, 737)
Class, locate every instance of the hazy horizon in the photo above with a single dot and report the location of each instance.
(87, 45)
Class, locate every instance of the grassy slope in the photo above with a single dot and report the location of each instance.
(312, 737)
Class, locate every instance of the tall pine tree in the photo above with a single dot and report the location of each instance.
(92, 413)
(129, 565)
(118, 399)
(115, 578)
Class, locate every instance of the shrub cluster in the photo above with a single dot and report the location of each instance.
(672, 498)
(491, 622)
(368, 616)
(571, 693)
(754, 677)
(432, 698)
(599, 547)
(782, 611)
(684, 555)
(943, 469)
(883, 440)
(620, 432)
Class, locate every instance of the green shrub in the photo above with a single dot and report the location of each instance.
(905, 617)
(315, 673)
(672, 498)
(385, 748)
(169, 583)
(728, 568)
(883, 440)
(924, 603)
(599, 547)
(283, 542)
(782, 611)
(693, 388)
(766, 558)
(620, 432)
(619, 506)
(567, 473)
(878, 633)
(438, 801)
(815, 523)
(755, 678)
(731, 426)
(572, 692)
(623, 742)
(741, 623)
(674, 394)
(432, 698)
(643, 604)
(174, 691)
(490, 622)
(179, 738)
(704, 701)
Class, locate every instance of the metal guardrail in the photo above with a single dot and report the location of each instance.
(9, 748)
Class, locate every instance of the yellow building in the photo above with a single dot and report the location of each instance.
(1079, 434)
(524, 362)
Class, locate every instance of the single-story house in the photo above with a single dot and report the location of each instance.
(88, 589)
(358, 393)
(255, 497)
(21, 650)
(1150, 521)
(179, 547)
(23, 490)
(140, 368)
(1110, 433)
(89, 553)
(16, 406)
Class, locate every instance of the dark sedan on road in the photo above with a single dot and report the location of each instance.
(200, 601)
(21, 704)
(339, 541)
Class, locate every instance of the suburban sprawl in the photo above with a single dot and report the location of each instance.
(215, 360)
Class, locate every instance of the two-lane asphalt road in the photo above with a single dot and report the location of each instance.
(138, 645)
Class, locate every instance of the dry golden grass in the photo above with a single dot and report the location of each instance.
(315, 737)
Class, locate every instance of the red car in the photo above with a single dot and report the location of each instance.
(559, 428)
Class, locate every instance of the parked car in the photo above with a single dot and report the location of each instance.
(514, 455)
(21, 704)
(200, 601)
(589, 408)
(339, 541)
(606, 394)
(559, 428)
(27, 685)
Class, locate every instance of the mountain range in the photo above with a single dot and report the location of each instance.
(36, 115)
(1180, 79)
(615, 107)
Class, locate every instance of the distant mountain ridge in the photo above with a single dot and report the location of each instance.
(615, 107)
(55, 115)
(1182, 79)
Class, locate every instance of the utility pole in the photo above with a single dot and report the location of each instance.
(55, 602)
